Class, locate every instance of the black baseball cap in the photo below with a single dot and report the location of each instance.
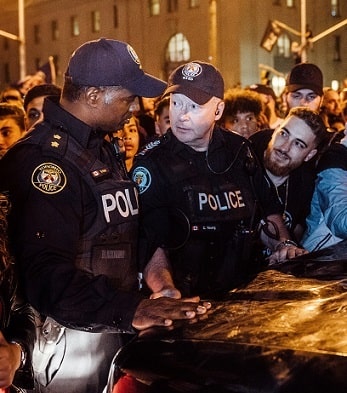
(305, 76)
(107, 62)
(197, 80)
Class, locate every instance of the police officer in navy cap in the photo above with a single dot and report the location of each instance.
(202, 194)
(74, 220)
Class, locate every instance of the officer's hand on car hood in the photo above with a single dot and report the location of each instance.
(164, 311)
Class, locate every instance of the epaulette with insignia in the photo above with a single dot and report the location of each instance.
(56, 141)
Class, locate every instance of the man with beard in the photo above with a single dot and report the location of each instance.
(331, 112)
(286, 154)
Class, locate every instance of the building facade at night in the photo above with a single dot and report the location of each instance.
(248, 40)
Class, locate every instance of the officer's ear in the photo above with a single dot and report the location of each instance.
(92, 96)
(219, 110)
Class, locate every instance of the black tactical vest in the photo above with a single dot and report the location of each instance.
(108, 246)
(211, 255)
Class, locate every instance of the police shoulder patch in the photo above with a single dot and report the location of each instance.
(142, 177)
(49, 178)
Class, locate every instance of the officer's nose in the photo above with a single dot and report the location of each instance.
(183, 114)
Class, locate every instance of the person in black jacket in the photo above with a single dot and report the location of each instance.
(17, 327)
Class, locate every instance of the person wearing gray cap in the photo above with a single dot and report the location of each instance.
(200, 189)
(74, 221)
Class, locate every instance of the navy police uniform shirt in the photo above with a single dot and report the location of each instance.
(52, 209)
(189, 199)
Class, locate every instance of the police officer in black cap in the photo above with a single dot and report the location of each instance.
(73, 223)
(202, 194)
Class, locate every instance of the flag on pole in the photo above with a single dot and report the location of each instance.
(270, 36)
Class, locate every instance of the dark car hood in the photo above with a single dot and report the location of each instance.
(285, 331)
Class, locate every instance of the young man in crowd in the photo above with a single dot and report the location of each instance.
(161, 115)
(11, 95)
(304, 87)
(286, 153)
(12, 125)
(331, 112)
(243, 112)
(33, 102)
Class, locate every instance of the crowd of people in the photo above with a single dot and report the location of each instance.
(130, 202)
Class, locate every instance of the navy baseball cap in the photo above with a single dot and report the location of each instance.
(106, 62)
(197, 80)
(305, 76)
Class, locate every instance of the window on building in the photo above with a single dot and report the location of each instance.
(276, 2)
(178, 49)
(335, 8)
(96, 20)
(172, 6)
(75, 27)
(337, 48)
(37, 34)
(55, 30)
(283, 46)
(194, 3)
(7, 75)
(6, 43)
(290, 3)
(154, 7)
(115, 16)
